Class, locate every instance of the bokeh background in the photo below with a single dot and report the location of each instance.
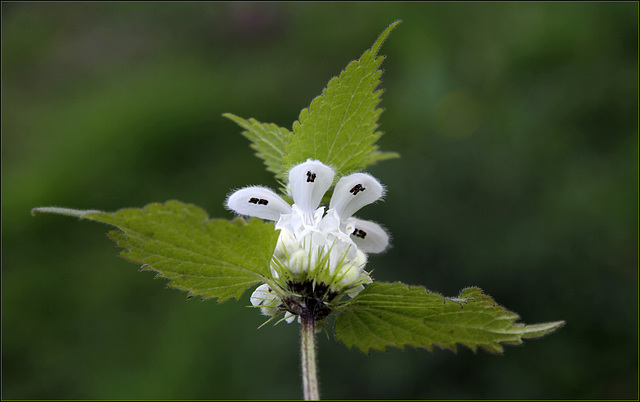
(518, 129)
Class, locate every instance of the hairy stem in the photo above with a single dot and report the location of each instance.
(308, 356)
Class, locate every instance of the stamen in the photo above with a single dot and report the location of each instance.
(311, 177)
(357, 188)
(359, 233)
(258, 201)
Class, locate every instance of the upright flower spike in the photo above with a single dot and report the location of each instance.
(315, 257)
(318, 257)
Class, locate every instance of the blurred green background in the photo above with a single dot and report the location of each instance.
(518, 129)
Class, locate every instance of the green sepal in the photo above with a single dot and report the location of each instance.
(395, 314)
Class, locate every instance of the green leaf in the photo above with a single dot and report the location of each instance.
(267, 139)
(339, 127)
(395, 314)
(377, 156)
(214, 258)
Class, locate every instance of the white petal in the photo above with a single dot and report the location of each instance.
(299, 262)
(274, 273)
(257, 296)
(261, 295)
(288, 317)
(341, 251)
(350, 273)
(298, 223)
(286, 246)
(308, 182)
(353, 292)
(330, 222)
(268, 310)
(354, 192)
(368, 236)
(264, 297)
(259, 202)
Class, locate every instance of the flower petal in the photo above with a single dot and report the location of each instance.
(354, 192)
(308, 182)
(288, 317)
(259, 202)
(264, 297)
(368, 236)
(261, 295)
(286, 245)
(299, 223)
(353, 292)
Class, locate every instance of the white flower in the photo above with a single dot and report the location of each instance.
(264, 298)
(317, 255)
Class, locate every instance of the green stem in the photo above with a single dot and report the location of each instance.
(308, 356)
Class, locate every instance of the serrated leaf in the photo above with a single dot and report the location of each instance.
(339, 127)
(267, 139)
(395, 314)
(213, 258)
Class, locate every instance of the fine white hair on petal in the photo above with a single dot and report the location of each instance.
(354, 192)
(367, 235)
(308, 182)
(259, 202)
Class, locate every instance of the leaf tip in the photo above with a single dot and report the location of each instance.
(236, 119)
(383, 36)
(64, 211)
(543, 329)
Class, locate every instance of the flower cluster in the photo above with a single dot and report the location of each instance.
(319, 256)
